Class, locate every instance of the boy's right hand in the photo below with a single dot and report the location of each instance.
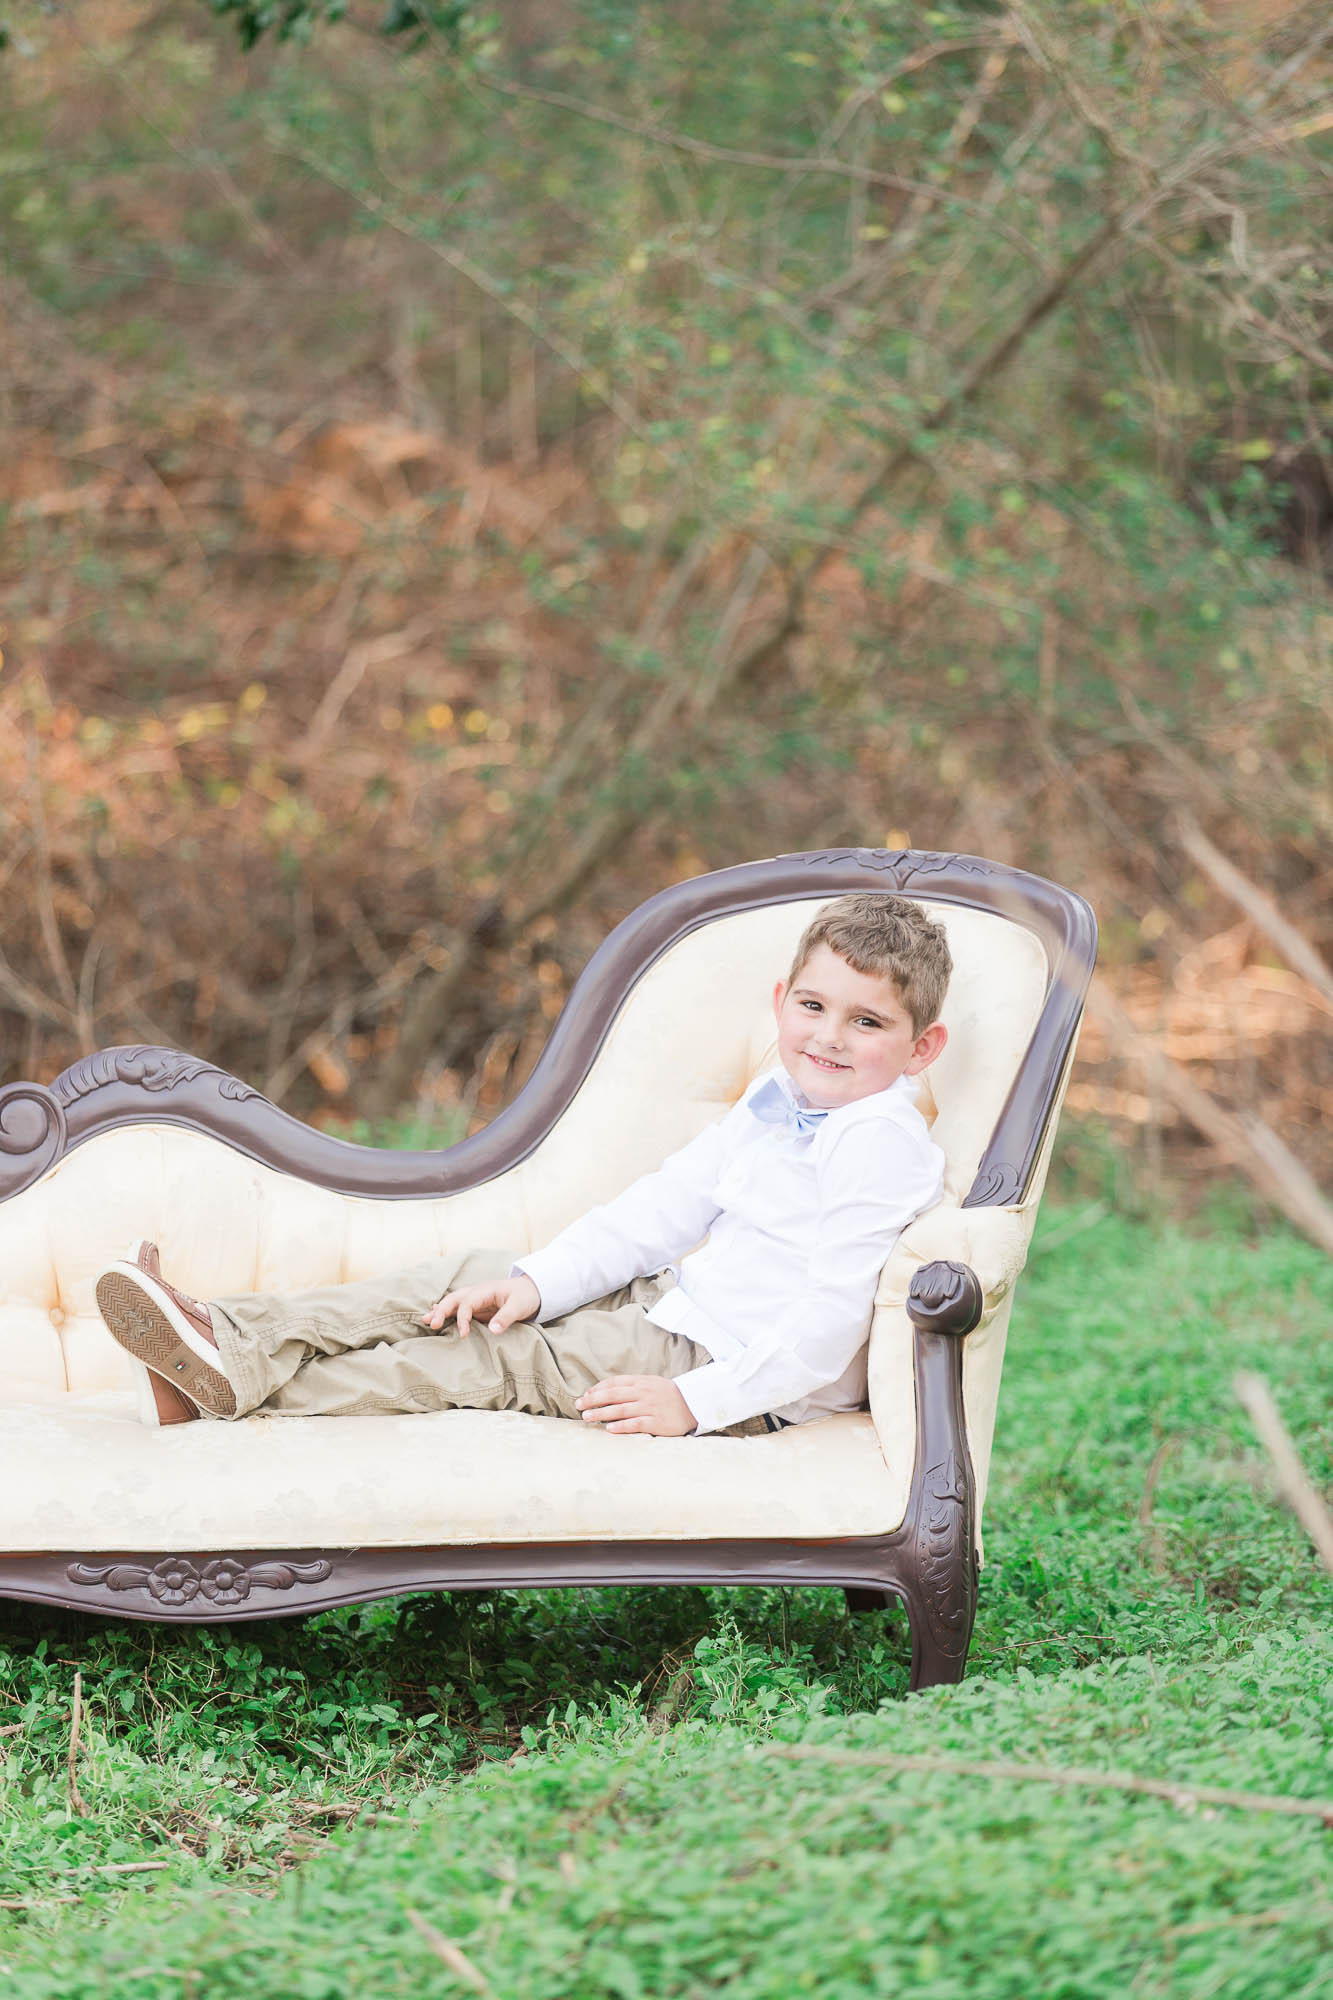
(506, 1299)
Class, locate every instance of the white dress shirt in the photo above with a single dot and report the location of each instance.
(798, 1226)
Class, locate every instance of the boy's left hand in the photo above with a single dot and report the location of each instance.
(650, 1403)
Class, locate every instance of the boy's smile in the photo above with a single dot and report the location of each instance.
(844, 1034)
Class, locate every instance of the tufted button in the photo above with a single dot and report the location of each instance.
(57, 1315)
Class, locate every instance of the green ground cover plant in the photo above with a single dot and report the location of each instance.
(624, 1792)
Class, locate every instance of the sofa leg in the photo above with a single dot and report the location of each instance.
(940, 1567)
(938, 1660)
(939, 1654)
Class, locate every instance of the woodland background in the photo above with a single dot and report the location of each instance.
(464, 469)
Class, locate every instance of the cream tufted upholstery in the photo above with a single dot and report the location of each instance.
(77, 1471)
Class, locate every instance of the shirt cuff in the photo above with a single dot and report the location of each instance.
(704, 1390)
(545, 1275)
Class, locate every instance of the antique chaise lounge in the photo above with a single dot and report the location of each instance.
(662, 1032)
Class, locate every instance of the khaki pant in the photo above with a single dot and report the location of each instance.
(346, 1350)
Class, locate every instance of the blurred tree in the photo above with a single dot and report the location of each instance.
(937, 382)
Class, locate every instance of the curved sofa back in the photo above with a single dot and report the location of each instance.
(647, 1053)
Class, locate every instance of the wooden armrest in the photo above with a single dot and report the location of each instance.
(945, 1298)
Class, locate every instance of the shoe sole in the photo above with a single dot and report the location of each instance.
(153, 1332)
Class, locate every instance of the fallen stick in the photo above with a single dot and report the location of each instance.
(1284, 1913)
(1243, 1138)
(1294, 1484)
(128, 1867)
(453, 1955)
(1049, 1774)
(664, 1712)
(1257, 904)
(76, 1804)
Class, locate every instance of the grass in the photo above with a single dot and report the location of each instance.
(583, 1792)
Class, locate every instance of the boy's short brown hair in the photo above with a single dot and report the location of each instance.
(887, 935)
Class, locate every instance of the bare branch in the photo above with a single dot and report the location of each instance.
(1287, 72)
(590, 379)
(964, 125)
(30, 1001)
(205, 163)
(76, 1804)
(1294, 1484)
(356, 664)
(1243, 1138)
(1186, 1796)
(1299, 953)
(46, 909)
(783, 163)
(450, 1954)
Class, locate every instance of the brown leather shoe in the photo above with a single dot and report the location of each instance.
(158, 1403)
(170, 1333)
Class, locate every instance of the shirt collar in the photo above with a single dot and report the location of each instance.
(886, 1102)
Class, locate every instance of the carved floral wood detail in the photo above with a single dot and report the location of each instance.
(149, 1068)
(220, 1579)
(944, 1303)
(32, 1132)
(904, 864)
(946, 1297)
(943, 1555)
(35, 1130)
(998, 1183)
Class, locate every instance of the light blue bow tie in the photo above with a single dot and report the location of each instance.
(772, 1106)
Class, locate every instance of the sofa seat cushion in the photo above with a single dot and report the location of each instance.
(83, 1473)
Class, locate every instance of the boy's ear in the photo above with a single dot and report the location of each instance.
(779, 995)
(925, 1048)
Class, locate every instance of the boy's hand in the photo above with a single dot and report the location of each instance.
(506, 1299)
(650, 1403)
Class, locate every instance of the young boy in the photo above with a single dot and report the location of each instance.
(730, 1291)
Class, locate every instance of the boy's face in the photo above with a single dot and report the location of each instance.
(844, 1034)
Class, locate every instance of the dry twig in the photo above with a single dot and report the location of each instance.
(1294, 1484)
(798, 164)
(452, 1955)
(1150, 1535)
(1283, 1913)
(1242, 1137)
(1299, 953)
(50, 923)
(664, 1712)
(76, 1804)
(367, 653)
(1185, 1796)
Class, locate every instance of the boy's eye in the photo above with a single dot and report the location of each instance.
(813, 1005)
(867, 1021)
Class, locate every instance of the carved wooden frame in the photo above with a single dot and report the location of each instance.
(928, 1563)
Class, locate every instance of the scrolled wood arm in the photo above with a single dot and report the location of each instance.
(945, 1298)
